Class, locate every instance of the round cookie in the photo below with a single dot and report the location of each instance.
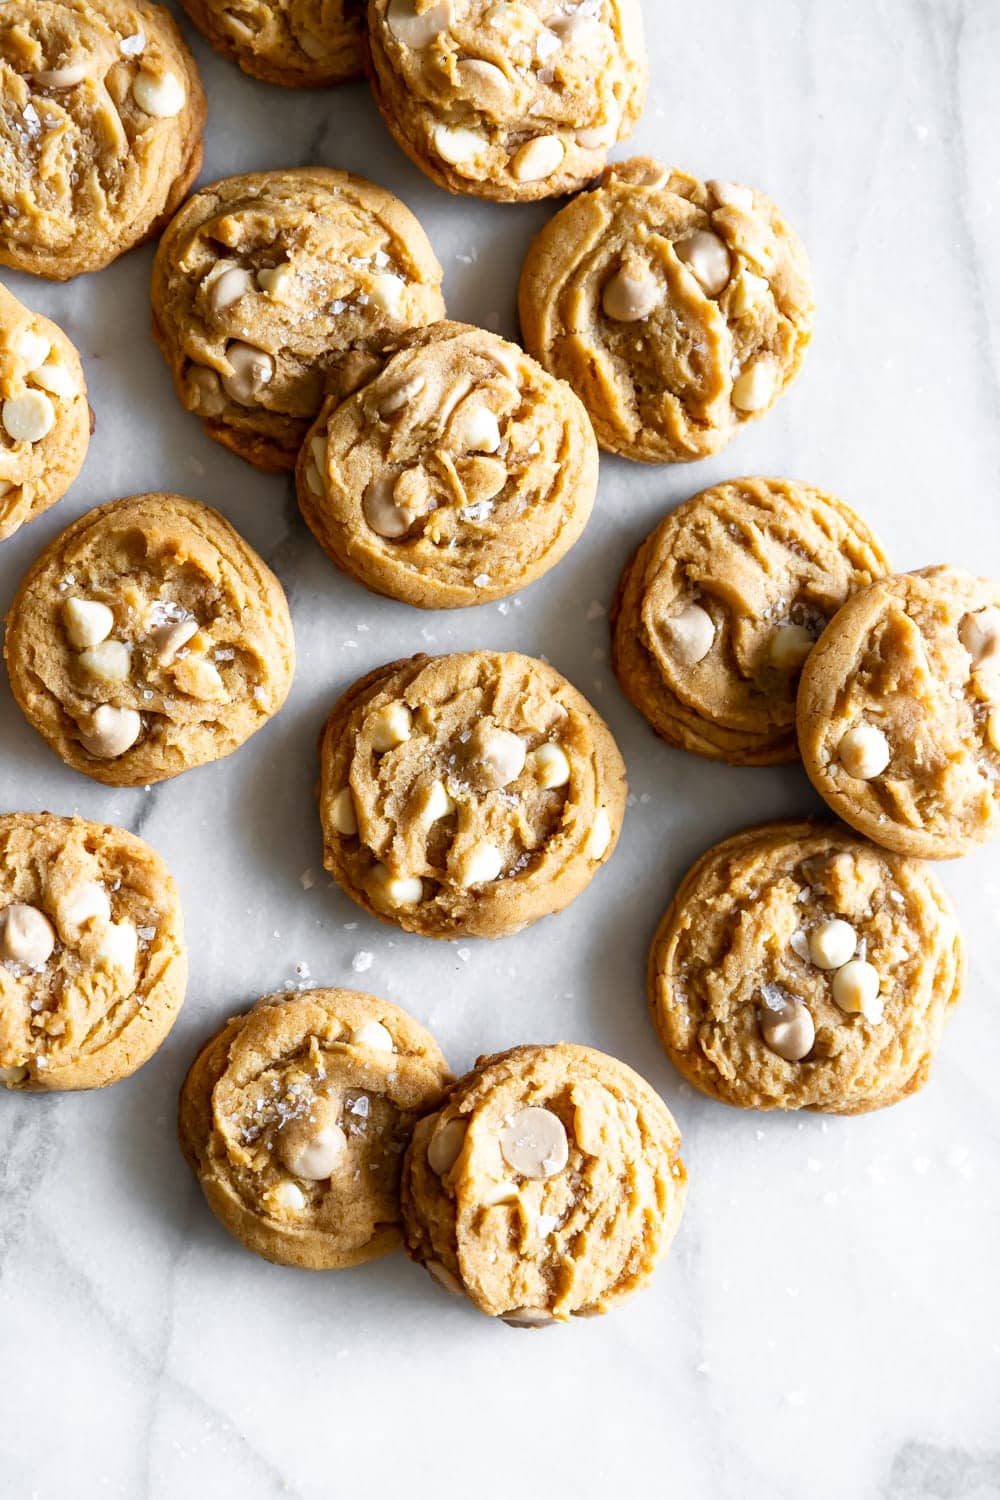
(677, 310)
(295, 1116)
(92, 959)
(298, 43)
(547, 1187)
(719, 607)
(898, 712)
(467, 795)
(801, 967)
(44, 416)
(101, 119)
(148, 638)
(515, 101)
(458, 473)
(273, 290)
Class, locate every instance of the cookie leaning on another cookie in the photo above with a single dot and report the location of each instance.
(147, 639)
(719, 607)
(44, 416)
(297, 43)
(801, 967)
(92, 957)
(547, 1187)
(458, 473)
(467, 794)
(272, 290)
(677, 310)
(101, 119)
(294, 1118)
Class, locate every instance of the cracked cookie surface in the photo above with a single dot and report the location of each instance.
(720, 606)
(678, 310)
(548, 1186)
(802, 967)
(294, 1118)
(458, 473)
(147, 639)
(467, 794)
(297, 43)
(92, 959)
(273, 290)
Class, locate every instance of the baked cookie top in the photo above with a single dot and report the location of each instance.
(677, 309)
(514, 101)
(899, 712)
(459, 472)
(92, 957)
(44, 416)
(720, 606)
(298, 43)
(547, 1187)
(101, 116)
(467, 794)
(295, 1116)
(801, 967)
(272, 290)
(148, 638)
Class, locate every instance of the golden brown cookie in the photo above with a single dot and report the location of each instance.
(457, 473)
(719, 607)
(294, 1119)
(92, 957)
(101, 118)
(677, 310)
(44, 416)
(513, 101)
(899, 712)
(801, 967)
(468, 794)
(547, 1187)
(298, 43)
(148, 638)
(273, 290)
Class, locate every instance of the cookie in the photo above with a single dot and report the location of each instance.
(148, 638)
(547, 1187)
(801, 967)
(92, 959)
(717, 610)
(294, 1119)
(898, 712)
(458, 473)
(273, 290)
(101, 119)
(514, 101)
(44, 416)
(467, 795)
(298, 43)
(678, 310)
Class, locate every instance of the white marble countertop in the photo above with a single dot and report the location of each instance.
(828, 1324)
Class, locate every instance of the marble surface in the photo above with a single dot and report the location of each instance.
(828, 1324)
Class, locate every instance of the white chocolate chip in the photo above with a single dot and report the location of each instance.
(372, 1034)
(402, 395)
(87, 623)
(444, 1277)
(380, 510)
(980, 635)
(458, 145)
(600, 835)
(205, 391)
(314, 479)
(747, 291)
(108, 732)
(533, 1142)
(789, 646)
(11, 1076)
(499, 1193)
(550, 765)
(83, 905)
(600, 137)
(387, 293)
(691, 634)
(55, 379)
(26, 935)
(483, 80)
(864, 752)
(252, 368)
(481, 865)
(391, 726)
(318, 449)
(29, 417)
(993, 730)
(707, 258)
(436, 803)
(856, 989)
(538, 159)
(731, 195)
(228, 288)
(788, 1029)
(528, 1317)
(168, 639)
(32, 348)
(62, 78)
(312, 1156)
(275, 281)
(399, 890)
(287, 1196)
(343, 815)
(500, 752)
(161, 96)
(417, 31)
(832, 943)
(446, 1146)
(475, 429)
(632, 293)
(5, 488)
(108, 662)
(134, 45)
(753, 390)
(119, 947)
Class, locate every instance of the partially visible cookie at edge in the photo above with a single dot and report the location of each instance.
(296, 43)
